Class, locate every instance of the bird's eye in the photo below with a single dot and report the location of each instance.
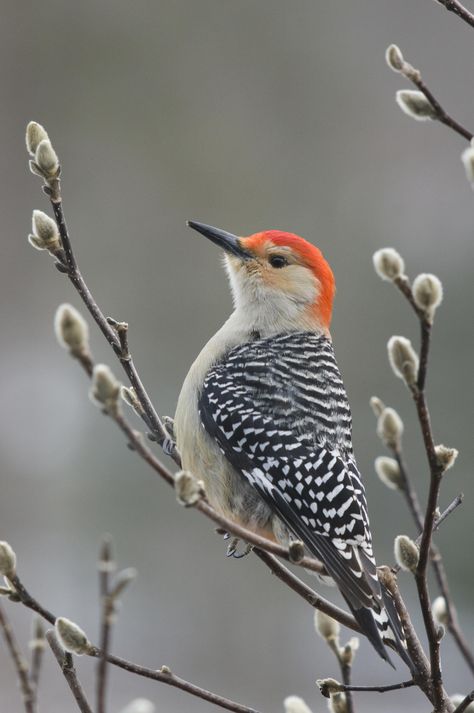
(277, 261)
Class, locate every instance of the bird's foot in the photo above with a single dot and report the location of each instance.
(233, 547)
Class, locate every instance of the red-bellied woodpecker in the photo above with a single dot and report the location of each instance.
(263, 419)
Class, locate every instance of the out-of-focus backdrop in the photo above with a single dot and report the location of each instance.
(247, 116)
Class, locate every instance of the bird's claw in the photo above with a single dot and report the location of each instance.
(232, 548)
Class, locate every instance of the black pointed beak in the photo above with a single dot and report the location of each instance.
(227, 241)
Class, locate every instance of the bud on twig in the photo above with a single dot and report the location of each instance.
(427, 293)
(390, 428)
(467, 157)
(71, 330)
(347, 652)
(327, 686)
(46, 159)
(129, 395)
(388, 471)
(338, 703)
(122, 580)
(295, 704)
(415, 104)
(440, 611)
(445, 456)
(45, 233)
(188, 489)
(71, 637)
(403, 359)
(327, 627)
(394, 58)
(7, 560)
(377, 405)
(388, 264)
(296, 551)
(105, 389)
(407, 553)
(139, 705)
(35, 133)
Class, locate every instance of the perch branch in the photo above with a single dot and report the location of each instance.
(19, 662)
(66, 665)
(465, 703)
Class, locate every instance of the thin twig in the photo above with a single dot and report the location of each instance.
(19, 662)
(465, 703)
(105, 565)
(37, 645)
(163, 675)
(459, 10)
(346, 671)
(377, 689)
(67, 667)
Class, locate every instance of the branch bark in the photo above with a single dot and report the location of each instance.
(19, 662)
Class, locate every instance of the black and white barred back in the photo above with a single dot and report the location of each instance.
(278, 410)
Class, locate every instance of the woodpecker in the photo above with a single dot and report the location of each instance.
(263, 419)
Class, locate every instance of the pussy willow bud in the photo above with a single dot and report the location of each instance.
(35, 133)
(407, 553)
(445, 456)
(394, 58)
(45, 232)
(7, 560)
(440, 611)
(327, 627)
(427, 293)
(122, 580)
(139, 705)
(467, 157)
(415, 104)
(46, 158)
(388, 264)
(296, 551)
(377, 405)
(390, 428)
(188, 489)
(295, 704)
(328, 686)
(105, 389)
(347, 652)
(389, 472)
(129, 395)
(38, 640)
(71, 329)
(403, 359)
(338, 703)
(71, 637)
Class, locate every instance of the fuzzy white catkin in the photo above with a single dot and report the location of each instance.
(188, 488)
(46, 158)
(35, 133)
(403, 359)
(467, 157)
(45, 229)
(7, 560)
(415, 104)
(71, 637)
(394, 58)
(295, 704)
(446, 456)
(388, 472)
(407, 553)
(70, 328)
(427, 292)
(390, 427)
(105, 389)
(139, 705)
(327, 627)
(388, 264)
(440, 611)
(337, 703)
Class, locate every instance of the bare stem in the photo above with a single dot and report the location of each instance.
(37, 650)
(459, 10)
(107, 612)
(67, 667)
(377, 689)
(19, 662)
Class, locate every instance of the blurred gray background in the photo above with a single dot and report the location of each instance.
(246, 115)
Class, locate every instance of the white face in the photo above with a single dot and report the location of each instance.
(274, 290)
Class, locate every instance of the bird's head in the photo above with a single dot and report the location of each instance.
(278, 279)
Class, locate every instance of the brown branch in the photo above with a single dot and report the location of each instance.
(37, 649)
(344, 688)
(164, 675)
(19, 662)
(459, 10)
(105, 566)
(67, 667)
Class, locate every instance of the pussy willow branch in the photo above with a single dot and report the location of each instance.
(344, 688)
(465, 703)
(436, 477)
(459, 10)
(346, 671)
(105, 564)
(66, 665)
(19, 662)
(22, 595)
(441, 115)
